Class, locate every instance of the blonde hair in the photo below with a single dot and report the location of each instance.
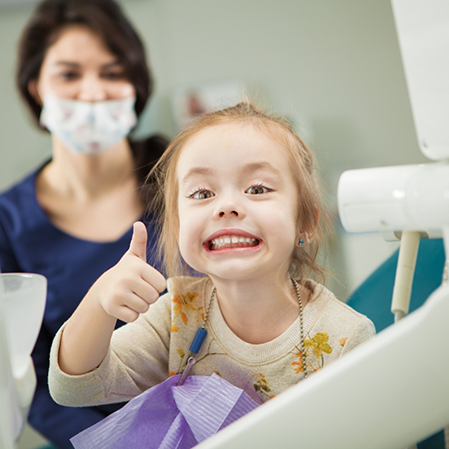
(311, 214)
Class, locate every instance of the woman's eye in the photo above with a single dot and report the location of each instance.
(202, 195)
(69, 76)
(257, 190)
(114, 76)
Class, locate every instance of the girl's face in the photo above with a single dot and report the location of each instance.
(237, 204)
(79, 66)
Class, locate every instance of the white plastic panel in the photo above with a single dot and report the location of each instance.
(379, 396)
(9, 408)
(22, 305)
(423, 32)
(24, 297)
(408, 197)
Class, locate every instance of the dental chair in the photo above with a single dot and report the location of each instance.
(373, 297)
(22, 304)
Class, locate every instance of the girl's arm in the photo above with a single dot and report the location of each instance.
(123, 292)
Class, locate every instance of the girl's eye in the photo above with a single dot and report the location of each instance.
(257, 190)
(202, 195)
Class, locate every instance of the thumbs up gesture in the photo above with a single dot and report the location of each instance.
(131, 286)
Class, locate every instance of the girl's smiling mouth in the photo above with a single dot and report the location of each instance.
(231, 240)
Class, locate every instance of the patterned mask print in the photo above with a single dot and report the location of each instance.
(88, 128)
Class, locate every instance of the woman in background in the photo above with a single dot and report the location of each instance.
(83, 73)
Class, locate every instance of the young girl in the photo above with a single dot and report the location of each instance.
(241, 203)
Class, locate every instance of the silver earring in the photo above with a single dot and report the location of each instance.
(301, 242)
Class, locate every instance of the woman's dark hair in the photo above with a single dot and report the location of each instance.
(106, 18)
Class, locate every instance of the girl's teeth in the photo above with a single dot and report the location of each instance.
(232, 241)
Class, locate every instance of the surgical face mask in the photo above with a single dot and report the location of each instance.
(88, 128)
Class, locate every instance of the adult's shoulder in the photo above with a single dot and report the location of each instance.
(21, 192)
(16, 191)
(18, 203)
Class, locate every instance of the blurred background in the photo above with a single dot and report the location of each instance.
(332, 67)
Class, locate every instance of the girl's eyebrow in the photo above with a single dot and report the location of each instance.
(250, 168)
(260, 166)
(196, 171)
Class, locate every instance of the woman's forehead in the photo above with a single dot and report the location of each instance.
(79, 42)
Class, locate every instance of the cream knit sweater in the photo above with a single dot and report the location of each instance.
(144, 353)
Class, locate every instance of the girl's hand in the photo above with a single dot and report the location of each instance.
(128, 288)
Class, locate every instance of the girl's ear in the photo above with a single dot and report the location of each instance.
(306, 235)
(32, 89)
(303, 238)
(300, 241)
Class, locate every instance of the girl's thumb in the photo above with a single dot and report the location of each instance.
(138, 245)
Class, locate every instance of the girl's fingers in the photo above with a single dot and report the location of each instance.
(131, 286)
(129, 308)
(152, 277)
(138, 245)
(145, 293)
(126, 314)
(137, 304)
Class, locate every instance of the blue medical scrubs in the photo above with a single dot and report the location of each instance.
(29, 242)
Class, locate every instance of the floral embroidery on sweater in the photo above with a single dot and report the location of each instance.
(315, 348)
(186, 306)
(261, 386)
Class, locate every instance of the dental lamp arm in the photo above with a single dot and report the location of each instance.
(404, 273)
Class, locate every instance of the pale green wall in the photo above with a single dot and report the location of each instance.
(332, 65)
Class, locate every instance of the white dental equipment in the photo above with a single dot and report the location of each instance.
(393, 390)
(22, 304)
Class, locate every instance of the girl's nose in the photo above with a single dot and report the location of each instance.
(230, 213)
(92, 89)
(229, 208)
